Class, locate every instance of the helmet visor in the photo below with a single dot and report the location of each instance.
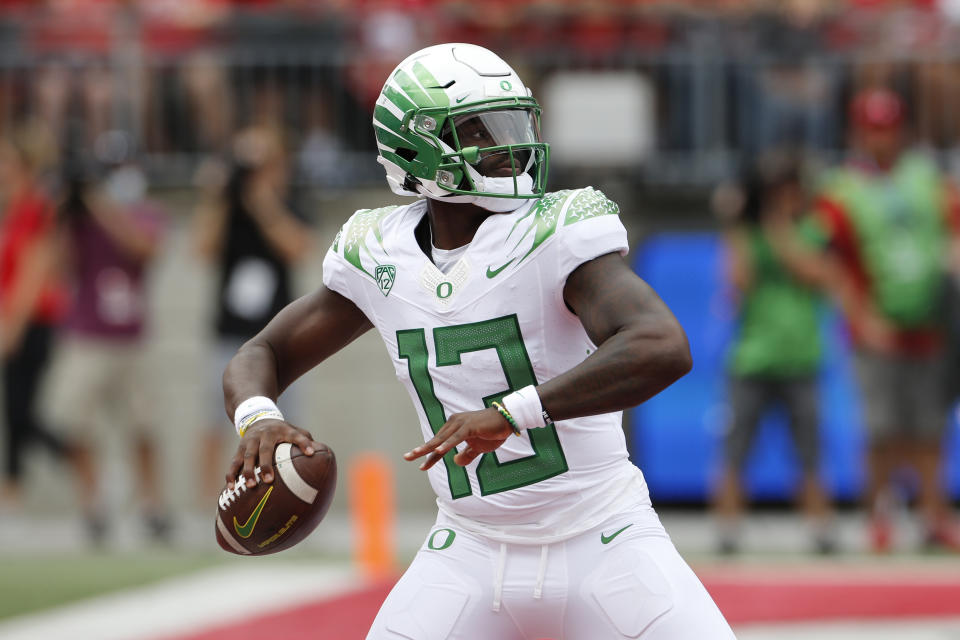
(494, 142)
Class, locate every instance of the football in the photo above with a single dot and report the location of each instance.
(272, 517)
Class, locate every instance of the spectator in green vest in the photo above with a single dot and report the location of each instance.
(775, 267)
(890, 217)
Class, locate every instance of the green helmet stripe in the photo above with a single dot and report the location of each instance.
(429, 82)
(412, 89)
(398, 98)
(437, 95)
(391, 139)
(416, 169)
(391, 156)
(386, 119)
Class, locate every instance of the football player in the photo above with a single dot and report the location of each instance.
(521, 335)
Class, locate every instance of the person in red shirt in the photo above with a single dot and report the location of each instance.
(891, 219)
(31, 303)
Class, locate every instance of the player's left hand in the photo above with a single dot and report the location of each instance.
(483, 431)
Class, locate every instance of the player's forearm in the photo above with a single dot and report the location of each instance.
(252, 372)
(630, 367)
(305, 333)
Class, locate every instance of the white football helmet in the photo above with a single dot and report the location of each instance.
(455, 122)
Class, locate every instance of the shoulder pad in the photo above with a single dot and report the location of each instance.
(359, 232)
(574, 205)
(563, 208)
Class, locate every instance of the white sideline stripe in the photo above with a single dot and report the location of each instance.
(228, 536)
(289, 475)
(201, 600)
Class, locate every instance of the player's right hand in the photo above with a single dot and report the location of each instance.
(257, 446)
(483, 431)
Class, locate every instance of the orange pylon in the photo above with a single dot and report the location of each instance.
(372, 510)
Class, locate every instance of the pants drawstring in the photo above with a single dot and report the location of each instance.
(501, 568)
(498, 580)
(541, 572)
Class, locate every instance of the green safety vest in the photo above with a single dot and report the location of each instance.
(900, 228)
(778, 332)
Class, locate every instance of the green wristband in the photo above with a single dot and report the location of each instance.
(506, 416)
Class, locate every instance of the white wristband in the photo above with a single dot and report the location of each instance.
(252, 410)
(524, 405)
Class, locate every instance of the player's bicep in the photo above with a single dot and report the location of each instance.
(608, 297)
(311, 329)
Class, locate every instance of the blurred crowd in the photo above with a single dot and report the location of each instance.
(878, 235)
(823, 106)
(729, 75)
(596, 26)
(78, 235)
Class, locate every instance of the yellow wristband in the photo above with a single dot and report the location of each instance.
(506, 415)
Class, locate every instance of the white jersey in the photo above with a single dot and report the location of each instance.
(494, 323)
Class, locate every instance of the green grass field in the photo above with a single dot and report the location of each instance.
(32, 582)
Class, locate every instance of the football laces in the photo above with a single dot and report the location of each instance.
(239, 486)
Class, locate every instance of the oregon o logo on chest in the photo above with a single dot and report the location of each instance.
(444, 290)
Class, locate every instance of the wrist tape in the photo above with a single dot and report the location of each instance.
(524, 405)
(253, 410)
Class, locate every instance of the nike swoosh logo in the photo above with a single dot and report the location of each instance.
(493, 273)
(245, 530)
(608, 539)
(460, 99)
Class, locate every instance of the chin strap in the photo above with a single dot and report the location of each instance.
(524, 183)
(505, 186)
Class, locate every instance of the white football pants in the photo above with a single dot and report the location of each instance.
(621, 580)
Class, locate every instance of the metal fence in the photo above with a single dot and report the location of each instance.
(710, 109)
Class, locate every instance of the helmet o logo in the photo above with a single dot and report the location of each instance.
(444, 290)
(505, 85)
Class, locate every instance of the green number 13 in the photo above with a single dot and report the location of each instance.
(503, 335)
